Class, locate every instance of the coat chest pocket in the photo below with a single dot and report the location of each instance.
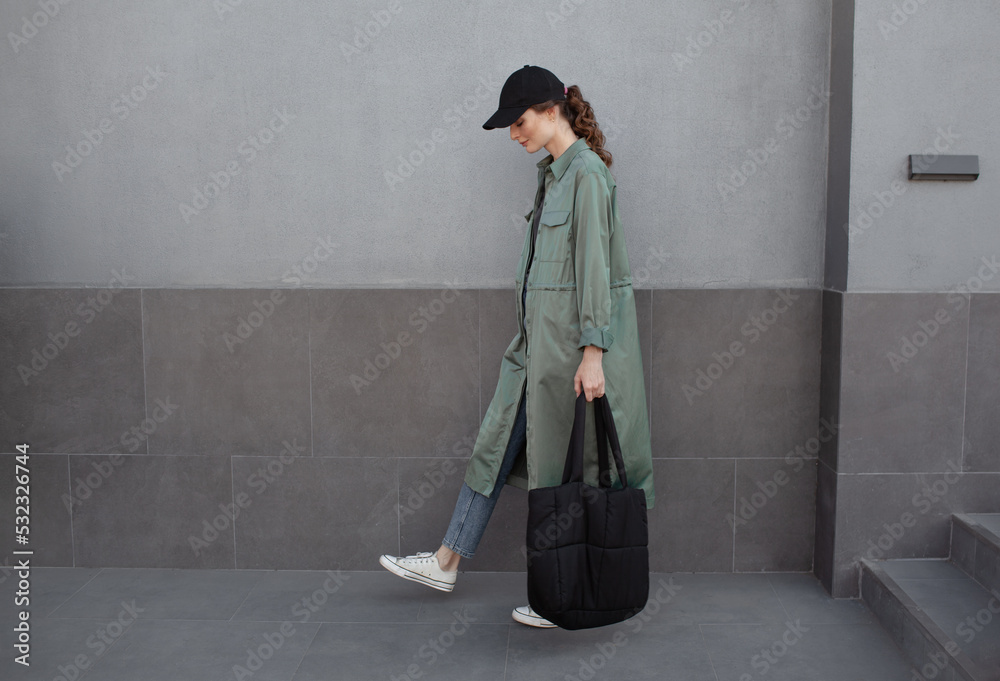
(554, 235)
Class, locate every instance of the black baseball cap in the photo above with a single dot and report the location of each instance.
(525, 87)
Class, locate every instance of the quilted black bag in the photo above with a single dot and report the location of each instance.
(587, 547)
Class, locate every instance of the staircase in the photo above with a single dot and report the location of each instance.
(944, 613)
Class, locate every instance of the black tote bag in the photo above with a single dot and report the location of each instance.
(587, 547)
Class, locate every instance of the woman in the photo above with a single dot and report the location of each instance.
(576, 329)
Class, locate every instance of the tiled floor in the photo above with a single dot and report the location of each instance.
(185, 625)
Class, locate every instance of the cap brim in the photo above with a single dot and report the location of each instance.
(504, 118)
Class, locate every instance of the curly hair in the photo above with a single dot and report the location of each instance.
(580, 115)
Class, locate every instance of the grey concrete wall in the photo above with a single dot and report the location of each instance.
(922, 68)
(689, 94)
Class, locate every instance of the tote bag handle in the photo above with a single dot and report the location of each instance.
(605, 427)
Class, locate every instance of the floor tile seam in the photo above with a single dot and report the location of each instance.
(708, 651)
(305, 653)
(736, 624)
(506, 652)
(846, 625)
(97, 660)
(82, 586)
(963, 578)
(249, 590)
(778, 597)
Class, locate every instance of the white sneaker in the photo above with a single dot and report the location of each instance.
(422, 567)
(525, 615)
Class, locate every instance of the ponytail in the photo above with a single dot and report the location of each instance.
(581, 119)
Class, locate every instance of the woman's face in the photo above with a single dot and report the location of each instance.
(533, 130)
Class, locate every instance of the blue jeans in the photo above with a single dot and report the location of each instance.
(473, 510)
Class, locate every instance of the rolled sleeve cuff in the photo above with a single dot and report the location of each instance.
(602, 338)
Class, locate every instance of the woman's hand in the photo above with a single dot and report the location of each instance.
(590, 375)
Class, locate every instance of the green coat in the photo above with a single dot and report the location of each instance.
(579, 293)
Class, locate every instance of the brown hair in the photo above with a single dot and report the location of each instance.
(580, 115)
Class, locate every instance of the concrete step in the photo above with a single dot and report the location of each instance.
(946, 623)
(975, 547)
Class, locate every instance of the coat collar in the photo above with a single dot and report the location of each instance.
(559, 165)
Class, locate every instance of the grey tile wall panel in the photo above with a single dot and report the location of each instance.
(775, 514)
(394, 372)
(737, 371)
(71, 374)
(902, 383)
(233, 366)
(150, 511)
(982, 408)
(320, 513)
(689, 528)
